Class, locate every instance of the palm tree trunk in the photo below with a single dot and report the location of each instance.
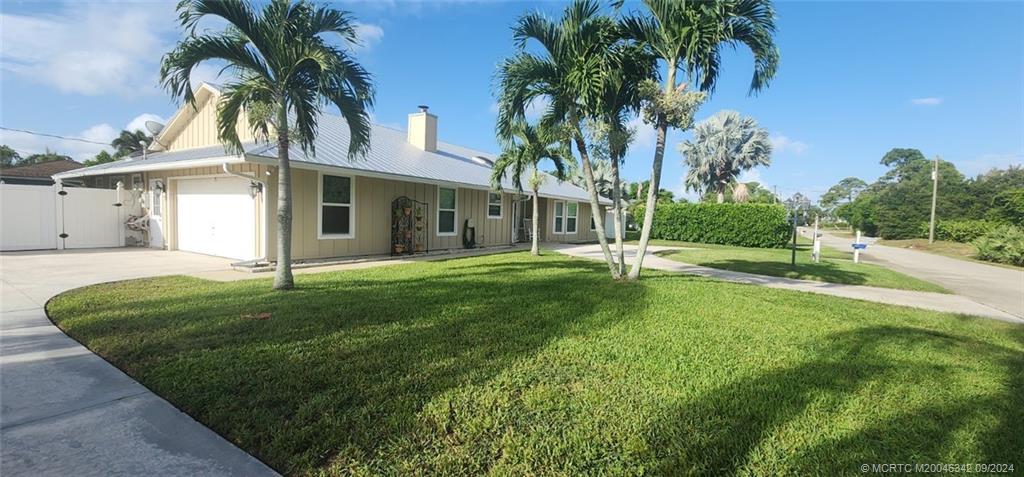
(535, 247)
(720, 193)
(588, 176)
(620, 253)
(283, 279)
(652, 191)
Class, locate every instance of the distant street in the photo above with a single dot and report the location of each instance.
(998, 287)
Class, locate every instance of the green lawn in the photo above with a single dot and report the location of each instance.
(515, 365)
(835, 266)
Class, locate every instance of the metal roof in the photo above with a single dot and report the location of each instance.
(390, 154)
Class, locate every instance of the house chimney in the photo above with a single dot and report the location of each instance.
(423, 130)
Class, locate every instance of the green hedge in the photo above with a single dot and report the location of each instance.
(963, 231)
(745, 225)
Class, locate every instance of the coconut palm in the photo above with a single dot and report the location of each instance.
(569, 73)
(129, 142)
(688, 37)
(285, 73)
(723, 146)
(523, 154)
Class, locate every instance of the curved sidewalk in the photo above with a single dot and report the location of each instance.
(65, 410)
(925, 300)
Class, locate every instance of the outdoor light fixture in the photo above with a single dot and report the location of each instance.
(255, 188)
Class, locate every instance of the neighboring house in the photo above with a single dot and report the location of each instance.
(37, 174)
(201, 202)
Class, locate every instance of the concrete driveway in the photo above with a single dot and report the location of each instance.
(66, 411)
(998, 287)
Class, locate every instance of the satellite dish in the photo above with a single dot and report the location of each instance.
(154, 127)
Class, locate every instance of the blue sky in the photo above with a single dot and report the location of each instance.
(856, 79)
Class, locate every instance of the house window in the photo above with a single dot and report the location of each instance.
(446, 198)
(559, 225)
(571, 210)
(493, 205)
(337, 209)
(593, 226)
(136, 181)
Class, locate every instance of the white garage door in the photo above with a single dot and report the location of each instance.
(217, 216)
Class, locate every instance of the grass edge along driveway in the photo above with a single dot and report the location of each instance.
(510, 364)
(836, 266)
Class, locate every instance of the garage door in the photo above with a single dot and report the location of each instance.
(217, 216)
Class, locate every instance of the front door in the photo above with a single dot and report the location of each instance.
(156, 209)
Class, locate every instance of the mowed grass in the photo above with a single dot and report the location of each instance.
(835, 266)
(515, 365)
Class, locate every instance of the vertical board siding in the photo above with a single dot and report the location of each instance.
(201, 131)
(373, 197)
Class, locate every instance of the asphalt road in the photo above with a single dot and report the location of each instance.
(998, 287)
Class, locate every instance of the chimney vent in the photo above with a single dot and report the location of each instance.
(422, 132)
(423, 108)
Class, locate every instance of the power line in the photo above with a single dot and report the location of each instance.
(55, 136)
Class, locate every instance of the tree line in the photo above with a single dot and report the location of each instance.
(897, 204)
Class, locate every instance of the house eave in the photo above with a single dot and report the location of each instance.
(269, 161)
(142, 166)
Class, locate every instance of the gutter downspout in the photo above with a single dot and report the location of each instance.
(263, 200)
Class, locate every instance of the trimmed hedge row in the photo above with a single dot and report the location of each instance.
(963, 231)
(744, 225)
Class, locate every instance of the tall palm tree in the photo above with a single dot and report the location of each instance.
(529, 146)
(622, 98)
(688, 37)
(569, 73)
(723, 146)
(129, 142)
(285, 72)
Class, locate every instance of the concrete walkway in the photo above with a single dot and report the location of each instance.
(924, 300)
(66, 411)
(997, 287)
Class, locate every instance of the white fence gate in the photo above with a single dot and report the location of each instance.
(52, 217)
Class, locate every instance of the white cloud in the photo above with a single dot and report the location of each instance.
(986, 162)
(929, 101)
(646, 136)
(534, 109)
(27, 144)
(369, 35)
(139, 122)
(782, 144)
(89, 48)
(751, 175)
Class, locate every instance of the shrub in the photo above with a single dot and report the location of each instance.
(1004, 244)
(745, 225)
(963, 231)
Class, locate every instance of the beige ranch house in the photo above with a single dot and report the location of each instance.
(202, 199)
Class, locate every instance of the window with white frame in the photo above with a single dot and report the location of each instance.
(571, 211)
(559, 216)
(494, 205)
(337, 209)
(446, 199)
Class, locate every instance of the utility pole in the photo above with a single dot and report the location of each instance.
(935, 197)
(796, 209)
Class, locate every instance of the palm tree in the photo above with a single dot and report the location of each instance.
(569, 73)
(285, 71)
(129, 142)
(622, 99)
(529, 146)
(689, 36)
(723, 146)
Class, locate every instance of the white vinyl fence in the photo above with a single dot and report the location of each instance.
(55, 217)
